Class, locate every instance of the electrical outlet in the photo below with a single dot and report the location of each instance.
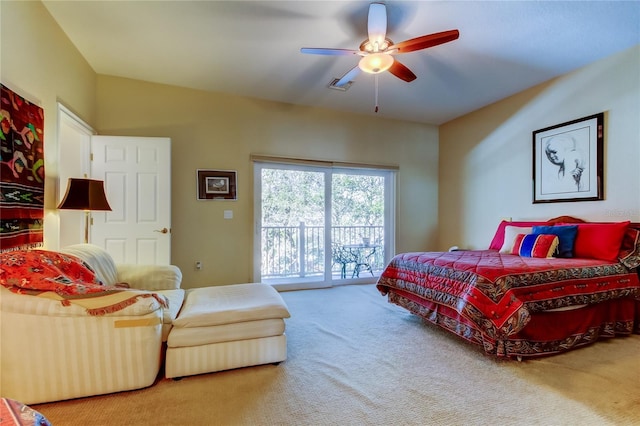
(198, 265)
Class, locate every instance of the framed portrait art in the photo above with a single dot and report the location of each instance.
(216, 184)
(567, 161)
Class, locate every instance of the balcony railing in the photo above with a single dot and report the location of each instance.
(298, 251)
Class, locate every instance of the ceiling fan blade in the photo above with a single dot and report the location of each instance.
(425, 41)
(402, 72)
(377, 24)
(331, 52)
(349, 76)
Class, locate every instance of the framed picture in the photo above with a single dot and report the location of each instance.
(567, 161)
(216, 184)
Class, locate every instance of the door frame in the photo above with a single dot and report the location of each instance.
(389, 175)
(74, 153)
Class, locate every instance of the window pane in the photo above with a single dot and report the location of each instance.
(292, 224)
(357, 214)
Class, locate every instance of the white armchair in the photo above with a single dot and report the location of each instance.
(52, 352)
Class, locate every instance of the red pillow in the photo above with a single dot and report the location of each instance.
(599, 240)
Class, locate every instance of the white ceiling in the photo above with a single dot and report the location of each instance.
(252, 48)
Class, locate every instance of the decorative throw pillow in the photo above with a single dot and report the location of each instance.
(599, 240)
(510, 233)
(566, 234)
(535, 245)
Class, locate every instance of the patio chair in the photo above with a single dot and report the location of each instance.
(343, 257)
(363, 263)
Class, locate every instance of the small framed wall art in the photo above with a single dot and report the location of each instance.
(567, 161)
(217, 184)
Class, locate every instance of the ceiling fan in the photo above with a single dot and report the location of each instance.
(378, 51)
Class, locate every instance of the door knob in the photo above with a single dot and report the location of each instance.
(163, 230)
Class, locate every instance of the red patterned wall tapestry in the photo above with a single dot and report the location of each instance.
(21, 172)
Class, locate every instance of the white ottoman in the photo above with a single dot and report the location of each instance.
(225, 327)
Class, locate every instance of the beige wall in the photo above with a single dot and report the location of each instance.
(208, 131)
(217, 131)
(39, 62)
(486, 156)
(482, 175)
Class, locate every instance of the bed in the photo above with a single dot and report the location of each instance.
(514, 304)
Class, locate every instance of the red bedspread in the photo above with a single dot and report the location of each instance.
(498, 292)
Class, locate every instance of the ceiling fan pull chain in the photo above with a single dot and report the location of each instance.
(375, 78)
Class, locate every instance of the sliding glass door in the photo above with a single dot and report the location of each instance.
(321, 226)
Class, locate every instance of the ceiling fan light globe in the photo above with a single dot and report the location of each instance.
(376, 63)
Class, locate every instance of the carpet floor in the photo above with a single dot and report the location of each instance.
(355, 359)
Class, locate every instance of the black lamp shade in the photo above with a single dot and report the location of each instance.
(85, 194)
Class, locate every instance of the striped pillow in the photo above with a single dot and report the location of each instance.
(535, 245)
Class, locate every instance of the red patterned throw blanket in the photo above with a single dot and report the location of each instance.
(65, 278)
(498, 292)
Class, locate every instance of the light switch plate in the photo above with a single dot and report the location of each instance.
(228, 214)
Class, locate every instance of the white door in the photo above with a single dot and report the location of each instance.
(137, 176)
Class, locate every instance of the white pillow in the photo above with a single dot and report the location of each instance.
(510, 233)
(98, 259)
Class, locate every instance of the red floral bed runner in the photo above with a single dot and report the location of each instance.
(498, 292)
(66, 278)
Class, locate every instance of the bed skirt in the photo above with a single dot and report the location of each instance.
(547, 333)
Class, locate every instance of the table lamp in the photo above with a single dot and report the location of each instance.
(87, 195)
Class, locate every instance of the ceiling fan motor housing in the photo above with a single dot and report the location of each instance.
(367, 46)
